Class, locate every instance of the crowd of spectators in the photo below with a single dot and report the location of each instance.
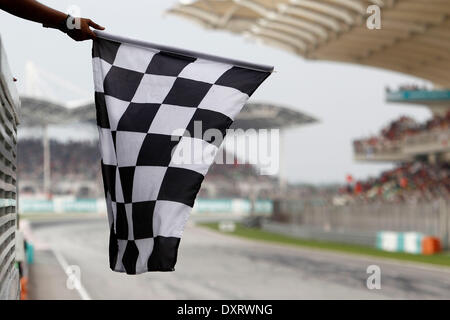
(80, 161)
(416, 181)
(238, 180)
(400, 129)
(412, 182)
(70, 161)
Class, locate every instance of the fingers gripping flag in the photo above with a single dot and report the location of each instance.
(150, 105)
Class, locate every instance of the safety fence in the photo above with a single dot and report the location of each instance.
(202, 206)
(9, 274)
(359, 223)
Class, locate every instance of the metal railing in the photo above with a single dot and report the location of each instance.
(437, 140)
(9, 274)
(431, 218)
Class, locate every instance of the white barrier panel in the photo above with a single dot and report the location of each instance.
(390, 241)
(412, 242)
(409, 242)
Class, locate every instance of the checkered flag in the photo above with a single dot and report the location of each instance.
(156, 109)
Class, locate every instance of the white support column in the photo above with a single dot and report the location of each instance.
(46, 154)
(282, 178)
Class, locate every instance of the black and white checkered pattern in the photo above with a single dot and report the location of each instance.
(147, 101)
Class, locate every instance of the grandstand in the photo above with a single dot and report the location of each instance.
(51, 167)
(413, 39)
(422, 150)
(404, 139)
(74, 167)
(75, 171)
(421, 139)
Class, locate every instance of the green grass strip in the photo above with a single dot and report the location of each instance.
(442, 259)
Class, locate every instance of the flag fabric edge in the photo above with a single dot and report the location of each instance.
(185, 52)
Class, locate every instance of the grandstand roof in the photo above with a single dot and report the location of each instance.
(414, 37)
(39, 112)
(270, 116)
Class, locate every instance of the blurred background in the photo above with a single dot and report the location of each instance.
(363, 112)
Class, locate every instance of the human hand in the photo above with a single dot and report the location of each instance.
(80, 30)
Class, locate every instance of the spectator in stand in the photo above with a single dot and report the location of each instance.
(79, 161)
(417, 181)
(400, 129)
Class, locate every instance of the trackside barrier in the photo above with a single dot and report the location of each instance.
(202, 206)
(36, 206)
(359, 223)
(9, 99)
(408, 242)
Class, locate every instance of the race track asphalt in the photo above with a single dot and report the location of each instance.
(217, 266)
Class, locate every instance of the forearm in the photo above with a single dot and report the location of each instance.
(38, 12)
(34, 11)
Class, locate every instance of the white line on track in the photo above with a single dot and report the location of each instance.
(77, 283)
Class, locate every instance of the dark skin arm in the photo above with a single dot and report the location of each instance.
(34, 11)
